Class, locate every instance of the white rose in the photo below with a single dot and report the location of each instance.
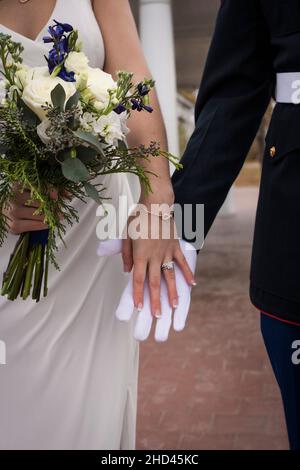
(98, 84)
(21, 77)
(76, 62)
(37, 92)
(81, 81)
(36, 72)
(24, 74)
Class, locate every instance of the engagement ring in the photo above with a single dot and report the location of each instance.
(169, 266)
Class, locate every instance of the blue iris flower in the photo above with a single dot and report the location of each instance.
(67, 28)
(136, 105)
(64, 45)
(55, 32)
(143, 89)
(139, 106)
(60, 49)
(47, 39)
(147, 108)
(67, 76)
(53, 59)
(54, 56)
(120, 109)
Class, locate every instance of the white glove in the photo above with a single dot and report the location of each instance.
(144, 321)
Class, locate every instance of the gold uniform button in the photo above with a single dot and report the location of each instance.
(272, 152)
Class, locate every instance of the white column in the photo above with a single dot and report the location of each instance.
(156, 32)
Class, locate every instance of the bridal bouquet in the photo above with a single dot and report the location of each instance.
(61, 126)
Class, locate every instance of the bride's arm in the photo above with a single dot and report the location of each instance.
(123, 52)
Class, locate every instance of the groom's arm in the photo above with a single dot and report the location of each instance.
(233, 97)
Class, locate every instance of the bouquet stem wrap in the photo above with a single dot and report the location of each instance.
(27, 271)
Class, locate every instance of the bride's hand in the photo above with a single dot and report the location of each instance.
(21, 214)
(146, 253)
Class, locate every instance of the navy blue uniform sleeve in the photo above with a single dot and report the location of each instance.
(235, 91)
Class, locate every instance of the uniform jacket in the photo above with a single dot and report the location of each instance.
(253, 40)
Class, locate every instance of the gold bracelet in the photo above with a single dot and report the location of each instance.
(164, 215)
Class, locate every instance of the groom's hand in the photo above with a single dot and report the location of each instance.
(169, 316)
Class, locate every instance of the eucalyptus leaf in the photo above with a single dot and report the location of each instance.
(86, 154)
(122, 146)
(89, 139)
(58, 97)
(92, 192)
(73, 101)
(74, 170)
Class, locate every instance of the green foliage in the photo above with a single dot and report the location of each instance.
(73, 101)
(89, 139)
(74, 170)
(92, 192)
(58, 97)
(10, 56)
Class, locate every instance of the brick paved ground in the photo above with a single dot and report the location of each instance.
(211, 387)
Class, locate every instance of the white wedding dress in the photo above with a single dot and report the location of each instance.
(70, 379)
